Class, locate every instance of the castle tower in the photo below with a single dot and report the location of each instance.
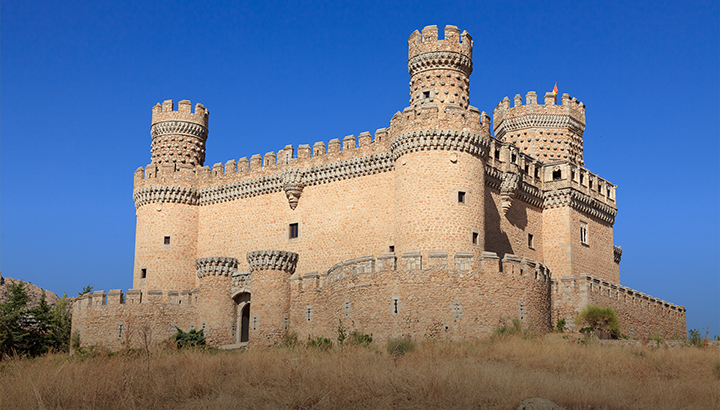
(166, 196)
(216, 311)
(270, 273)
(547, 132)
(440, 69)
(179, 136)
(438, 144)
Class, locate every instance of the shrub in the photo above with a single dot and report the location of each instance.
(696, 339)
(358, 338)
(560, 326)
(188, 339)
(290, 339)
(601, 319)
(400, 346)
(319, 343)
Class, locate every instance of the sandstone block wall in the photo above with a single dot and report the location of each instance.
(116, 320)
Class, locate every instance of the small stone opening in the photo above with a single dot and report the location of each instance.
(531, 241)
(143, 273)
(166, 240)
(461, 197)
(557, 175)
(475, 237)
(294, 231)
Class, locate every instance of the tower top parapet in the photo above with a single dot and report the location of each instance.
(166, 112)
(547, 131)
(427, 52)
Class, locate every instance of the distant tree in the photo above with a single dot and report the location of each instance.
(33, 331)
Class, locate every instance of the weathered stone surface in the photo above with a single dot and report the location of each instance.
(538, 404)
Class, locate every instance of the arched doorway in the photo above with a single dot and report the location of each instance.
(242, 325)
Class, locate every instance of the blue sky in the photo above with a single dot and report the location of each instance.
(79, 79)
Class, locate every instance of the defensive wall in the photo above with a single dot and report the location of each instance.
(640, 315)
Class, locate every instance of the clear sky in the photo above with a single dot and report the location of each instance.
(79, 79)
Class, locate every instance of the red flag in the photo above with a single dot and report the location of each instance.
(555, 91)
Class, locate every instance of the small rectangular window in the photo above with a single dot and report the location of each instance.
(514, 158)
(294, 231)
(527, 169)
(392, 249)
(497, 154)
(426, 94)
(583, 233)
(143, 273)
(531, 241)
(557, 174)
(475, 237)
(537, 172)
(166, 240)
(461, 197)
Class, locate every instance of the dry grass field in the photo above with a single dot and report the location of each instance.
(496, 373)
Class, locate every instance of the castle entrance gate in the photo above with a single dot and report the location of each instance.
(243, 317)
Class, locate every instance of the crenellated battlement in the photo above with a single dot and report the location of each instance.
(426, 51)
(461, 265)
(136, 297)
(166, 112)
(546, 131)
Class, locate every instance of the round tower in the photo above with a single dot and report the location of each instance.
(216, 313)
(438, 144)
(546, 132)
(179, 136)
(166, 199)
(270, 273)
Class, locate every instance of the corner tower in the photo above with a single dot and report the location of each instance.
(179, 136)
(546, 132)
(438, 143)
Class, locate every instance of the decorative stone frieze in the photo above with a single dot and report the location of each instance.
(579, 201)
(440, 60)
(448, 140)
(539, 121)
(241, 278)
(166, 194)
(216, 266)
(178, 127)
(272, 260)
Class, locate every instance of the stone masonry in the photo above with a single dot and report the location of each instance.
(431, 227)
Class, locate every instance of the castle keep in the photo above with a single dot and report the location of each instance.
(431, 227)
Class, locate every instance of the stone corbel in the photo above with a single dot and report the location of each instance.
(292, 180)
(509, 188)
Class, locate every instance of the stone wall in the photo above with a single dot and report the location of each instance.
(639, 314)
(455, 299)
(116, 320)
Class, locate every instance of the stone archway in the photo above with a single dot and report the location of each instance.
(242, 324)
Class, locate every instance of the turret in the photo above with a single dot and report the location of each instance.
(178, 137)
(440, 69)
(547, 131)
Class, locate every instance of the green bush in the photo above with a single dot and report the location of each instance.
(560, 325)
(319, 343)
(601, 319)
(188, 339)
(400, 346)
(696, 339)
(358, 338)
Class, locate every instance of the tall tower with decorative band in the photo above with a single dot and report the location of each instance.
(438, 143)
(179, 136)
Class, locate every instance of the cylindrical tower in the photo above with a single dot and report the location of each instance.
(270, 273)
(438, 143)
(216, 311)
(166, 199)
(179, 136)
(547, 132)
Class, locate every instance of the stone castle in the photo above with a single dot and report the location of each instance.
(433, 227)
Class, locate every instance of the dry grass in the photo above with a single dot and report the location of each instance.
(489, 374)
